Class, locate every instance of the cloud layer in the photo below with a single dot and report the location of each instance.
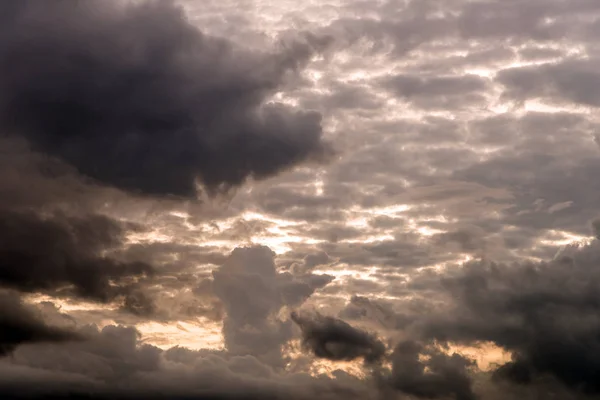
(165, 231)
(136, 97)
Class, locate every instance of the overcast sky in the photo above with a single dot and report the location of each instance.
(341, 199)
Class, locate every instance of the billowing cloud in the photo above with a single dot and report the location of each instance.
(544, 313)
(253, 294)
(20, 324)
(336, 340)
(136, 97)
(61, 253)
(113, 363)
(437, 377)
(446, 253)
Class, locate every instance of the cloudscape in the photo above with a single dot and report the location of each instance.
(338, 200)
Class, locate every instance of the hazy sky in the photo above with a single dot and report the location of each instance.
(341, 199)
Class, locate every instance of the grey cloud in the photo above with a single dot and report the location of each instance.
(290, 200)
(253, 293)
(295, 289)
(406, 251)
(468, 239)
(173, 257)
(544, 313)
(21, 324)
(334, 232)
(136, 97)
(438, 92)
(401, 36)
(572, 81)
(341, 97)
(313, 260)
(63, 254)
(336, 340)
(33, 181)
(406, 27)
(485, 175)
(485, 56)
(533, 171)
(114, 364)
(385, 222)
(247, 285)
(55, 235)
(540, 53)
(378, 313)
(346, 285)
(517, 20)
(438, 377)
(596, 228)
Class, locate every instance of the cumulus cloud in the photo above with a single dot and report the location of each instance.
(439, 376)
(113, 363)
(62, 253)
(467, 130)
(20, 324)
(544, 313)
(334, 339)
(253, 294)
(136, 97)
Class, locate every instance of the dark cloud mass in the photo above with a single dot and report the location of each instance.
(61, 253)
(449, 251)
(437, 377)
(20, 324)
(334, 339)
(544, 313)
(136, 97)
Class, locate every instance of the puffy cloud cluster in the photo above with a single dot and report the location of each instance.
(136, 97)
(104, 94)
(103, 101)
(336, 340)
(545, 314)
(113, 363)
(20, 324)
(254, 294)
(468, 131)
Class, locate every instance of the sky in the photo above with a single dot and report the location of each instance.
(341, 199)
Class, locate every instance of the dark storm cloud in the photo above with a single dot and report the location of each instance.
(545, 314)
(416, 369)
(114, 363)
(497, 202)
(55, 237)
(439, 376)
(63, 254)
(136, 97)
(19, 324)
(334, 339)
